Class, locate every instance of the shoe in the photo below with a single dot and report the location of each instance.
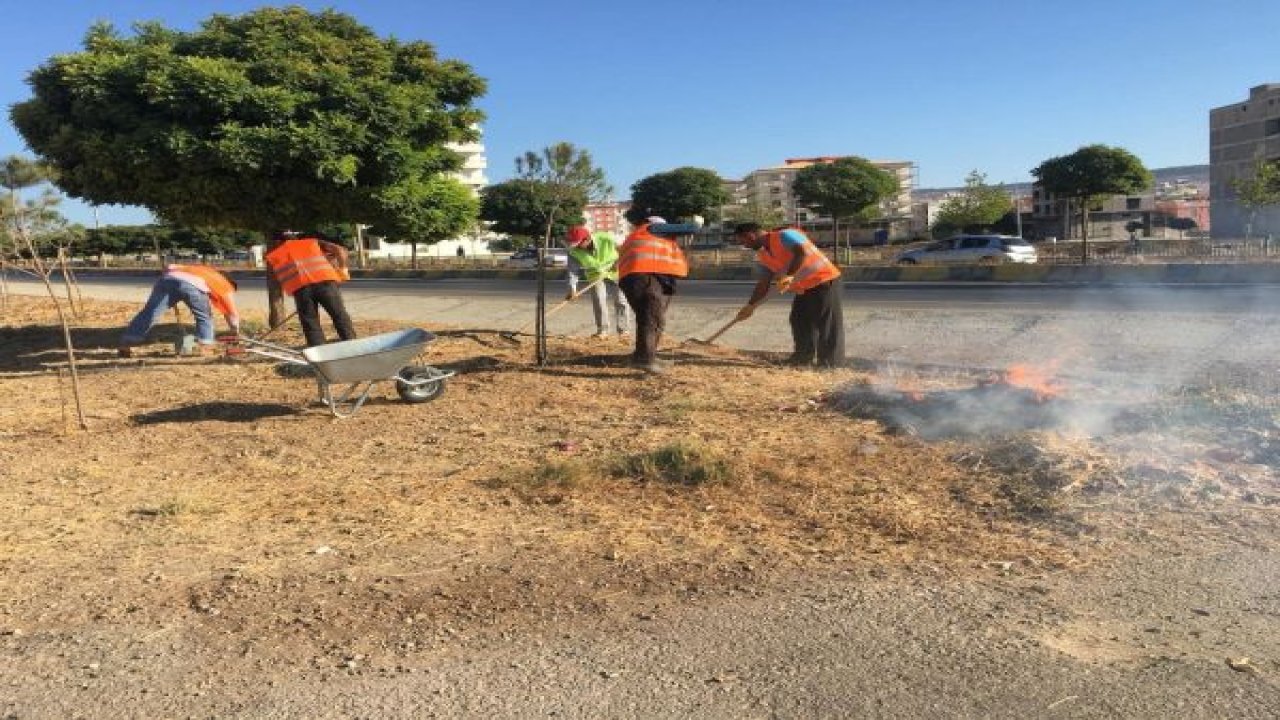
(124, 352)
(624, 334)
(600, 335)
(798, 361)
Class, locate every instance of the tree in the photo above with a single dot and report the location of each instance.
(1090, 174)
(680, 193)
(275, 118)
(849, 187)
(569, 180)
(977, 207)
(514, 208)
(25, 222)
(1258, 191)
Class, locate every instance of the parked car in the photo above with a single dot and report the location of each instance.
(973, 249)
(528, 258)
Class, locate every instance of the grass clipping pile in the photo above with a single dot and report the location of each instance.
(213, 494)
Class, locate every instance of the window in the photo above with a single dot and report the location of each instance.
(1273, 126)
(1132, 203)
(974, 242)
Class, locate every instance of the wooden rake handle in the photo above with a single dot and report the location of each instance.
(562, 304)
(734, 321)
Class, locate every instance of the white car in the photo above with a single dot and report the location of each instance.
(972, 249)
(528, 258)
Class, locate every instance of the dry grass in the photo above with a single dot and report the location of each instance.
(214, 492)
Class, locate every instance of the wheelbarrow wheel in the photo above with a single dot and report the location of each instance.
(419, 393)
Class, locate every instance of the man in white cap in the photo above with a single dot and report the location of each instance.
(593, 258)
(648, 267)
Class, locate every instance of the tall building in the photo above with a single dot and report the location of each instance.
(771, 188)
(474, 163)
(1240, 136)
(607, 217)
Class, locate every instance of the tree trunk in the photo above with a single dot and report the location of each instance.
(541, 324)
(275, 294)
(1084, 231)
(413, 254)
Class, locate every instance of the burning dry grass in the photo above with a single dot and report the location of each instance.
(216, 489)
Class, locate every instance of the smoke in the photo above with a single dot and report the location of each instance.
(1179, 378)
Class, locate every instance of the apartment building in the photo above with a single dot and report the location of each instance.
(607, 217)
(472, 174)
(771, 188)
(1240, 136)
(1109, 218)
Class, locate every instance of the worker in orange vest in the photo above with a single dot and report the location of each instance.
(789, 260)
(199, 287)
(310, 268)
(648, 267)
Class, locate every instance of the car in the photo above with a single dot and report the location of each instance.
(974, 249)
(528, 257)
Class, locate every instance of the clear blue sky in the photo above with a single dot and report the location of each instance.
(732, 85)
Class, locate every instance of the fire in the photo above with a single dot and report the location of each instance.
(1038, 380)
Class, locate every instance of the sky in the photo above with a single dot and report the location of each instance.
(996, 86)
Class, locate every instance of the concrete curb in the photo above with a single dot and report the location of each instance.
(1187, 273)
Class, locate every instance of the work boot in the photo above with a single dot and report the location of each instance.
(124, 351)
(798, 361)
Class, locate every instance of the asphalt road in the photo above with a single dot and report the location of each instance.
(870, 296)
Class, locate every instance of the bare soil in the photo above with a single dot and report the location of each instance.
(213, 500)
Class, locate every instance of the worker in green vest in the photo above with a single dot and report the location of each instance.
(594, 257)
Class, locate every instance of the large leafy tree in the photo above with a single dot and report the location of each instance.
(849, 187)
(1258, 191)
(515, 207)
(977, 206)
(1090, 174)
(680, 193)
(276, 118)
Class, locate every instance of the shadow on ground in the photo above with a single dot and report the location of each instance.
(217, 411)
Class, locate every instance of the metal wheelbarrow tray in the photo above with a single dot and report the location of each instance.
(361, 363)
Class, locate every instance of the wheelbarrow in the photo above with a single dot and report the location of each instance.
(360, 364)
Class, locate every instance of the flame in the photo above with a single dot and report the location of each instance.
(1038, 380)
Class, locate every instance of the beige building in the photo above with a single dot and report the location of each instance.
(771, 188)
(1241, 135)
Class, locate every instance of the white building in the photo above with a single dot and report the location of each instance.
(472, 174)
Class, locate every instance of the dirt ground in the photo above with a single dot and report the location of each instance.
(213, 503)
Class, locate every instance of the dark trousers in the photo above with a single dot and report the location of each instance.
(309, 299)
(817, 325)
(649, 298)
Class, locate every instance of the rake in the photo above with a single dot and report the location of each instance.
(524, 329)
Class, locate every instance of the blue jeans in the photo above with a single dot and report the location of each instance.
(166, 293)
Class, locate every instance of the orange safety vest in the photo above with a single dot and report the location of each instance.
(221, 291)
(813, 271)
(644, 252)
(300, 262)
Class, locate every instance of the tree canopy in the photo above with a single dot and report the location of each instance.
(1258, 190)
(978, 206)
(844, 188)
(1089, 174)
(275, 118)
(680, 193)
(515, 208)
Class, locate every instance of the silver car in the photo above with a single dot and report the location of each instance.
(972, 249)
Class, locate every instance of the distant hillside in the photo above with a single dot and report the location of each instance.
(1195, 174)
